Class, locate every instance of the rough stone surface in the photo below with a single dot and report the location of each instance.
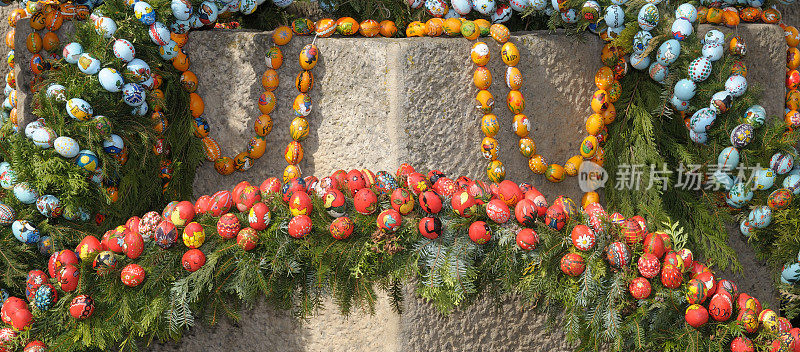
(4, 27)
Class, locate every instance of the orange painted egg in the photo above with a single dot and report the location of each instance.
(792, 58)
(416, 29)
(282, 35)
(180, 62)
(189, 81)
(614, 91)
(489, 148)
(303, 26)
(489, 125)
(201, 127)
(293, 153)
(599, 157)
(160, 125)
(572, 165)
(793, 99)
(325, 27)
(510, 54)
(537, 164)
(179, 39)
(714, 15)
(513, 78)
(435, 27)
(485, 101)
(266, 102)
(82, 12)
(555, 173)
(298, 129)
(594, 124)
(50, 42)
(527, 147)
(792, 36)
(274, 58)
(730, 17)
(304, 81)
(224, 165)
(499, 33)
(599, 101)
(515, 101)
(10, 38)
(302, 105)
(480, 53)
(211, 148)
(610, 114)
(242, 161)
(309, 56)
(53, 21)
(589, 147)
(484, 26)
(34, 42)
(38, 21)
(269, 80)
(346, 26)
(792, 79)
(15, 16)
(388, 28)
(482, 77)
(257, 147)
(496, 171)
(196, 105)
(452, 27)
(750, 14)
(263, 125)
(38, 65)
(610, 55)
(521, 125)
(291, 172)
(369, 28)
(771, 15)
(469, 30)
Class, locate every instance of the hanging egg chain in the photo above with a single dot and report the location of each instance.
(302, 107)
(482, 78)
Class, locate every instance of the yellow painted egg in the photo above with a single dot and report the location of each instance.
(480, 53)
(599, 101)
(298, 129)
(521, 125)
(483, 26)
(211, 148)
(266, 102)
(282, 35)
(469, 30)
(489, 125)
(510, 54)
(614, 91)
(793, 99)
(257, 147)
(610, 114)
(302, 105)
(269, 80)
(242, 161)
(50, 42)
(293, 153)
(496, 171)
(499, 33)
(589, 147)
(304, 81)
(291, 172)
(416, 29)
(325, 27)
(555, 173)
(435, 27)
(513, 78)
(347, 26)
(537, 164)
(263, 125)
(485, 101)
(34, 42)
(274, 58)
(482, 77)
(309, 56)
(594, 124)
(599, 157)
(792, 58)
(489, 148)
(527, 147)
(516, 102)
(388, 28)
(369, 28)
(452, 27)
(603, 78)
(572, 165)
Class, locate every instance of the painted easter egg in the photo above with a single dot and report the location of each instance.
(274, 58)
(79, 109)
(25, 232)
(681, 29)
(668, 52)
(49, 206)
(781, 163)
(780, 199)
(764, 178)
(615, 16)
(43, 137)
(144, 12)
(181, 9)
(702, 120)
(755, 115)
(72, 52)
(309, 56)
(641, 40)
(133, 94)
(110, 79)
(739, 195)
(699, 69)
(648, 17)
(486, 7)
(712, 51)
(369, 28)
(499, 33)
(736, 85)
(742, 135)
(686, 11)
(658, 72)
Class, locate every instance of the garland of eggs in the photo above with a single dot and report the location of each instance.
(302, 105)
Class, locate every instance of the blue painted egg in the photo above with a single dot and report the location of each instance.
(485, 7)
(113, 144)
(714, 36)
(159, 33)
(208, 11)
(641, 40)
(7, 177)
(49, 206)
(721, 102)
(25, 193)
(686, 11)
(723, 179)
(87, 160)
(763, 179)
(728, 159)
(181, 9)
(712, 51)
(736, 85)
(681, 29)
(658, 72)
(88, 64)
(124, 50)
(79, 109)
(648, 17)
(45, 297)
(144, 13)
(668, 52)
(282, 3)
(43, 137)
(247, 7)
(614, 16)
(699, 69)
(640, 61)
(169, 51)
(140, 110)
(739, 195)
(702, 120)
(25, 232)
(72, 52)
(792, 182)
(133, 94)
(745, 228)
(110, 79)
(56, 91)
(678, 104)
(791, 273)
(742, 135)
(180, 26)
(685, 89)
(33, 126)
(757, 3)
(138, 70)
(66, 146)
(516, 5)
(7, 214)
(760, 217)
(105, 26)
(755, 115)
(698, 137)
(781, 163)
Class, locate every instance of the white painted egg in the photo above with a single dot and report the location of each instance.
(140, 110)
(686, 11)
(614, 16)
(43, 137)
(462, 7)
(685, 89)
(755, 115)
(699, 69)
(739, 195)
(113, 144)
(485, 7)
(678, 104)
(519, 5)
(247, 6)
(503, 13)
(208, 12)
(682, 29)
(159, 33)
(110, 79)
(698, 137)
(781, 163)
(658, 72)
(668, 52)
(641, 40)
(728, 159)
(25, 193)
(181, 9)
(133, 94)
(66, 147)
(702, 120)
(124, 50)
(792, 182)
(640, 61)
(538, 5)
(195, 21)
(714, 36)
(648, 17)
(764, 178)
(169, 51)
(7, 90)
(138, 69)
(746, 230)
(72, 52)
(79, 109)
(180, 26)
(571, 16)
(282, 3)
(760, 217)
(7, 104)
(790, 273)
(736, 85)
(88, 64)
(713, 51)
(33, 126)
(106, 27)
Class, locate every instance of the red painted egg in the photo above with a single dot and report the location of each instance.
(654, 245)
(632, 231)
(260, 216)
(707, 277)
(567, 204)
(68, 277)
(720, 308)
(299, 204)
(166, 234)
(742, 344)
(220, 203)
(59, 259)
(21, 319)
(340, 176)
(133, 223)
(430, 202)
(463, 204)
(35, 279)
(696, 291)
(167, 212)
(672, 258)
(671, 276)
(402, 201)
(237, 190)
(247, 196)
(687, 257)
(228, 226)
(430, 227)
(147, 227)
(728, 287)
(464, 182)
(334, 202)
(202, 205)
(555, 217)
(527, 239)
(246, 239)
(648, 265)
(641, 221)
(270, 185)
(617, 254)
(525, 211)
(133, 244)
(389, 220)
(193, 235)
(573, 264)
(639, 288)
(745, 301)
(369, 177)
(509, 192)
(114, 240)
(696, 315)
(355, 181)
(194, 259)
(480, 232)
(667, 241)
(183, 213)
(35, 346)
(132, 275)
(784, 325)
(311, 182)
(417, 183)
(617, 218)
(595, 209)
(583, 237)
(341, 228)
(300, 226)
(404, 170)
(480, 191)
(81, 307)
(88, 248)
(365, 201)
(538, 201)
(498, 211)
(434, 175)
